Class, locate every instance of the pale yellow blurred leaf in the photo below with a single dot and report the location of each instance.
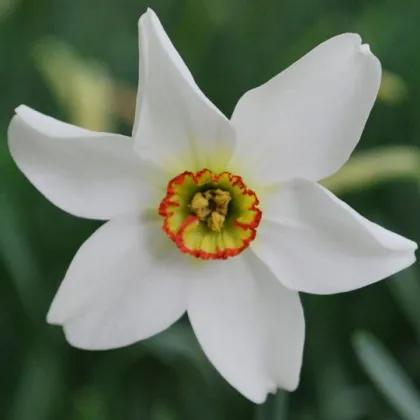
(393, 88)
(83, 88)
(368, 168)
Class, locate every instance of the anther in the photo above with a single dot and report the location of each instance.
(211, 206)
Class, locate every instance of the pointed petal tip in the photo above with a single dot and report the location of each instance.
(347, 38)
(399, 243)
(148, 14)
(259, 399)
(49, 318)
(273, 388)
(362, 48)
(28, 114)
(20, 108)
(53, 317)
(292, 386)
(77, 343)
(365, 49)
(53, 321)
(365, 52)
(20, 112)
(259, 396)
(413, 259)
(356, 37)
(151, 15)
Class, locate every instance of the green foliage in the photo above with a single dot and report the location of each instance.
(388, 376)
(230, 46)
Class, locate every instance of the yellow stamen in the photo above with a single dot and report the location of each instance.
(215, 221)
(211, 206)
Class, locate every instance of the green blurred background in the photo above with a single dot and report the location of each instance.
(77, 60)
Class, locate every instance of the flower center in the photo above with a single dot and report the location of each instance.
(210, 216)
(211, 206)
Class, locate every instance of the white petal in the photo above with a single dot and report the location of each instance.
(176, 125)
(88, 174)
(251, 328)
(307, 120)
(313, 242)
(126, 283)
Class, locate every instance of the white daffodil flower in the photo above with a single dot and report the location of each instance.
(222, 219)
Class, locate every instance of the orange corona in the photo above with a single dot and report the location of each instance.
(215, 230)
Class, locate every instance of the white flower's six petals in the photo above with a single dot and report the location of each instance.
(176, 126)
(129, 282)
(313, 242)
(251, 327)
(306, 121)
(124, 284)
(86, 173)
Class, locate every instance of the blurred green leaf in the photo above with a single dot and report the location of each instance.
(275, 407)
(6, 8)
(405, 287)
(388, 376)
(42, 384)
(19, 259)
(338, 397)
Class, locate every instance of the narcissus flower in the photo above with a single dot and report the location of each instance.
(222, 219)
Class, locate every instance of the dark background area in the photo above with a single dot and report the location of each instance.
(77, 60)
